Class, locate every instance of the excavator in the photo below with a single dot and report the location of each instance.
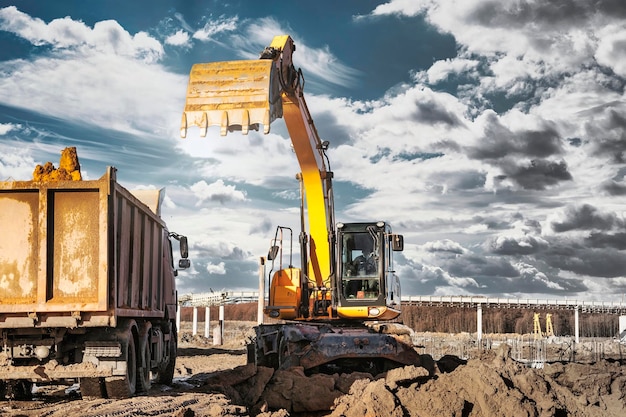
(338, 310)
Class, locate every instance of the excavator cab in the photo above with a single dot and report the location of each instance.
(367, 286)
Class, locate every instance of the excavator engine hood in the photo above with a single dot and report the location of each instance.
(235, 95)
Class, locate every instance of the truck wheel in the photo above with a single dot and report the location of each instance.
(91, 388)
(166, 370)
(143, 370)
(21, 390)
(125, 386)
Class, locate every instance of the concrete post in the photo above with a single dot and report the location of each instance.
(261, 302)
(222, 321)
(194, 324)
(576, 326)
(479, 322)
(207, 321)
(178, 308)
(622, 329)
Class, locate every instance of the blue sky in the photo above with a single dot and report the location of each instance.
(490, 133)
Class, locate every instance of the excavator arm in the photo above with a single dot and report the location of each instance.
(242, 95)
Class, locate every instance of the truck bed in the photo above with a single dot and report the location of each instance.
(79, 253)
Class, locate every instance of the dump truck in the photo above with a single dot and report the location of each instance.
(87, 287)
(338, 309)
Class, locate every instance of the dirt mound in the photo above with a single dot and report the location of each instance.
(496, 387)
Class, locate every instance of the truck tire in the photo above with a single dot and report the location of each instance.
(143, 365)
(125, 386)
(165, 374)
(92, 388)
(19, 390)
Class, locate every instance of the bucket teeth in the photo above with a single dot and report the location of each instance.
(234, 95)
(183, 126)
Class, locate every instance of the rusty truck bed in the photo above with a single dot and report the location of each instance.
(78, 253)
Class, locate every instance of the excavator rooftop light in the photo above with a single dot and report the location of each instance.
(340, 225)
(380, 224)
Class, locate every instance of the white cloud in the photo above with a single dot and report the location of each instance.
(216, 191)
(7, 127)
(611, 50)
(216, 26)
(15, 163)
(219, 269)
(106, 36)
(442, 69)
(400, 7)
(111, 91)
(180, 38)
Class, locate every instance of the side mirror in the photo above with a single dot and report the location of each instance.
(184, 247)
(397, 243)
(272, 253)
(184, 263)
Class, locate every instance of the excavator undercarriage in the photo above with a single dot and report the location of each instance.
(331, 347)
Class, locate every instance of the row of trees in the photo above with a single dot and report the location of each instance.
(459, 319)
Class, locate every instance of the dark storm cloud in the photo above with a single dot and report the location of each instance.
(607, 240)
(433, 113)
(614, 188)
(500, 141)
(460, 180)
(605, 262)
(476, 266)
(586, 217)
(610, 136)
(553, 13)
(264, 226)
(330, 129)
(525, 245)
(538, 174)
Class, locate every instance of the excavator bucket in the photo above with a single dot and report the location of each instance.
(235, 95)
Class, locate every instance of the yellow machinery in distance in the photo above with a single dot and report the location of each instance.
(347, 274)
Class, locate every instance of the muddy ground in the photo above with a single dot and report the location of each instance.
(215, 381)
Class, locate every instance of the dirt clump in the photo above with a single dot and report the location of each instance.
(69, 168)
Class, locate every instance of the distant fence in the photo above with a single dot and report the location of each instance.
(525, 349)
(584, 306)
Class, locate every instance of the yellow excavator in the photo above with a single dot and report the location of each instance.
(335, 311)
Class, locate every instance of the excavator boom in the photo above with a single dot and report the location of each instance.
(242, 95)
